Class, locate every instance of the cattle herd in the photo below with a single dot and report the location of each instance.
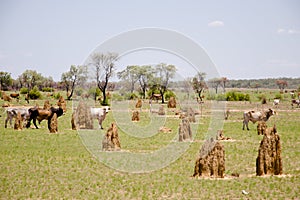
(34, 114)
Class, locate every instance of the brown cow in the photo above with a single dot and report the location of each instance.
(257, 116)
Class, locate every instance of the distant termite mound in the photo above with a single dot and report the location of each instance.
(135, 116)
(111, 140)
(138, 104)
(47, 105)
(211, 160)
(161, 110)
(184, 130)
(62, 103)
(172, 102)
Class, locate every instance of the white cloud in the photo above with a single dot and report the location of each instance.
(216, 24)
(280, 30)
(287, 31)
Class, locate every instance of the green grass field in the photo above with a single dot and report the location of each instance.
(38, 165)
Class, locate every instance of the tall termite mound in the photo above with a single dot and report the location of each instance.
(83, 117)
(53, 124)
(62, 103)
(184, 130)
(211, 160)
(269, 161)
(18, 122)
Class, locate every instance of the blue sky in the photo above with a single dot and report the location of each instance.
(245, 39)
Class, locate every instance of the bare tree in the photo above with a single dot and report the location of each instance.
(104, 69)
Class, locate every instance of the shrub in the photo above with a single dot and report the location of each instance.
(105, 103)
(221, 97)
(169, 94)
(237, 96)
(24, 90)
(117, 97)
(47, 89)
(34, 93)
(79, 91)
(56, 96)
(94, 92)
(129, 96)
(211, 96)
(278, 96)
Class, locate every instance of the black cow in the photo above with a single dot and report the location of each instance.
(41, 114)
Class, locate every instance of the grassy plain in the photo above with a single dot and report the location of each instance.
(35, 164)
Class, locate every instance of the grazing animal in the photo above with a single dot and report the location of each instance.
(256, 116)
(99, 114)
(297, 102)
(15, 95)
(276, 102)
(41, 114)
(12, 112)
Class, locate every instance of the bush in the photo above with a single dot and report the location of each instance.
(47, 89)
(237, 96)
(94, 92)
(130, 96)
(105, 103)
(34, 93)
(24, 90)
(211, 96)
(169, 94)
(56, 96)
(278, 96)
(117, 97)
(79, 91)
(221, 97)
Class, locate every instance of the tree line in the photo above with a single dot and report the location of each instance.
(147, 80)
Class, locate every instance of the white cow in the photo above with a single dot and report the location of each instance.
(256, 116)
(12, 112)
(100, 114)
(276, 102)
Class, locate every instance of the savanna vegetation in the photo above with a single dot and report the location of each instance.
(70, 164)
(38, 165)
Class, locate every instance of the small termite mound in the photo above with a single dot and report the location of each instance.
(111, 140)
(135, 116)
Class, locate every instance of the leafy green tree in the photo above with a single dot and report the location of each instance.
(215, 83)
(199, 84)
(30, 78)
(145, 75)
(131, 75)
(164, 73)
(104, 65)
(73, 77)
(5, 80)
